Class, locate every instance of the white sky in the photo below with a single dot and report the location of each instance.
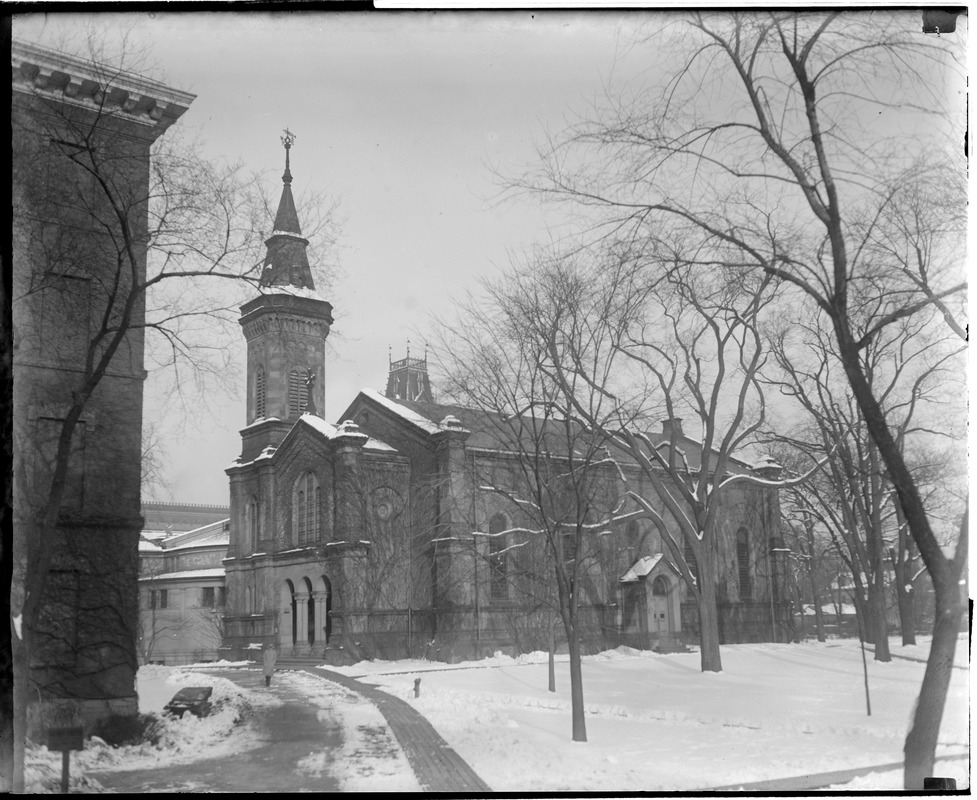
(398, 116)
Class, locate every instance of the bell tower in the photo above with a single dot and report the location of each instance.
(286, 328)
(407, 379)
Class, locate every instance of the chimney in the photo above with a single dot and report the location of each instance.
(672, 425)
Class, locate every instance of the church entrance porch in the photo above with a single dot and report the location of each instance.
(650, 606)
(305, 606)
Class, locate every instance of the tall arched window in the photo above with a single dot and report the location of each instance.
(305, 509)
(317, 515)
(252, 532)
(632, 535)
(297, 392)
(259, 392)
(498, 582)
(743, 564)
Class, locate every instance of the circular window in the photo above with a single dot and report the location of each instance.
(384, 509)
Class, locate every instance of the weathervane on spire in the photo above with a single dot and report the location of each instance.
(287, 140)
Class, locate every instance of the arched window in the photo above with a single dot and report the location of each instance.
(659, 587)
(297, 392)
(632, 536)
(305, 509)
(743, 564)
(317, 515)
(259, 392)
(252, 532)
(498, 583)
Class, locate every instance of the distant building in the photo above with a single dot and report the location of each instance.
(368, 538)
(64, 110)
(182, 594)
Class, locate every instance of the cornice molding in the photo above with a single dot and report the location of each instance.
(60, 77)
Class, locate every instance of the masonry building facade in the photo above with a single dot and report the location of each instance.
(71, 120)
(385, 535)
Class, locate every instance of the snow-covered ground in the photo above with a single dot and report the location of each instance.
(178, 740)
(654, 722)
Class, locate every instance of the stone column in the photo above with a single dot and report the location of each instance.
(301, 618)
(320, 616)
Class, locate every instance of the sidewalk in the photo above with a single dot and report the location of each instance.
(437, 767)
(290, 734)
(822, 780)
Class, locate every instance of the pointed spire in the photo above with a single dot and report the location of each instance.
(287, 262)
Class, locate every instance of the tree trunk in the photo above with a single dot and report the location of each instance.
(920, 747)
(876, 619)
(818, 611)
(801, 627)
(907, 611)
(711, 660)
(576, 686)
(865, 630)
(902, 569)
(21, 665)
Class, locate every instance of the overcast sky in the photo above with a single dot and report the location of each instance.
(402, 119)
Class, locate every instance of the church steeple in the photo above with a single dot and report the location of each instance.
(287, 263)
(286, 327)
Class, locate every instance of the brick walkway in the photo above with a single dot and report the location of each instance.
(438, 768)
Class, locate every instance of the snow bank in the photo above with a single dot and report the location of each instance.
(175, 740)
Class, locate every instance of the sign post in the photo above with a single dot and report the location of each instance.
(65, 740)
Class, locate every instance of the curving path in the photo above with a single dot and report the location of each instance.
(289, 732)
(437, 767)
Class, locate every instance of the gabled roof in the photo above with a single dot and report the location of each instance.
(316, 426)
(644, 566)
(490, 431)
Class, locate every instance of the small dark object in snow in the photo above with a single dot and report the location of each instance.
(195, 699)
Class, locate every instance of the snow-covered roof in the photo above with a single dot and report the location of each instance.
(641, 568)
(294, 291)
(216, 533)
(189, 574)
(331, 431)
(147, 545)
(403, 412)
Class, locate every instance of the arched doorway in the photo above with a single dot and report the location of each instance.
(660, 607)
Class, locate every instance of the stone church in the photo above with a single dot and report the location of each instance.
(381, 536)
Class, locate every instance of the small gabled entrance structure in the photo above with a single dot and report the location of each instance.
(651, 617)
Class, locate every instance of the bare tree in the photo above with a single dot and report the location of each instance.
(556, 481)
(104, 233)
(641, 334)
(911, 371)
(764, 134)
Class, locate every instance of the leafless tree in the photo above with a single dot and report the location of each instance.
(775, 134)
(911, 372)
(134, 256)
(556, 480)
(641, 334)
